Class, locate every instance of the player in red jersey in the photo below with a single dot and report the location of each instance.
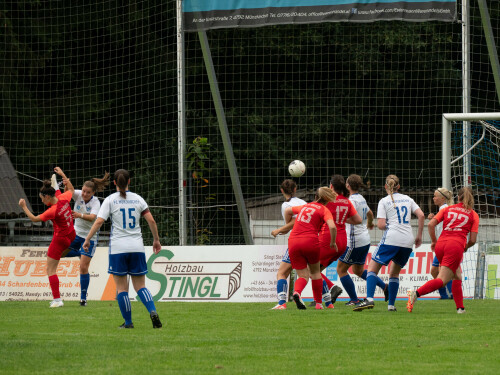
(59, 212)
(303, 243)
(458, 221)
(343, 211)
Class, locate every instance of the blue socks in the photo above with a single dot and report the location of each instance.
(84, 285)
(393, 290)
(349, 287)
(371, 284)
(281, 288)
(147, 299)
(327, 297)
(125, 308)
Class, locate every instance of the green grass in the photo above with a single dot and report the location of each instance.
(231, 338)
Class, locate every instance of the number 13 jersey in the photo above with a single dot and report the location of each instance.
(126, 235)
(398, 231)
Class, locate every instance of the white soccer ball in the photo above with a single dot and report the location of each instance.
(296, 168)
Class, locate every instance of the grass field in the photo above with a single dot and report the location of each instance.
(231, 338)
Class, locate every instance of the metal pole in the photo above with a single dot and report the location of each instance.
(181, 128)
(446, 154)
(490, 42)
(466, 89)
(226, 140)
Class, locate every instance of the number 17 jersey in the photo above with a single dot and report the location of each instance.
(126, 235)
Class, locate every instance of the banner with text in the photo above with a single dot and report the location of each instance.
(213, 14)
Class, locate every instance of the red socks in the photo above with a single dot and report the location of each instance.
(328, 282)
(430, 286)
(300, 284)
(458, 295)
(54, 285)
(317, 287)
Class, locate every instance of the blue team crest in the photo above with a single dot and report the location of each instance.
(78, 207)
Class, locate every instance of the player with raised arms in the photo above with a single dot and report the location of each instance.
(442, 198)
(288, 189)
(358, 243)
(303, 243)
(126, 246)
(393, 217)
(85, 210)
(342, 211)
(458, 221)
(59, 212)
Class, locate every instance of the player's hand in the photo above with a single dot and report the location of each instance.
(58, 171)
(275, 232)
(22, 203)
(333, 246)
(430, 216)
(86, 245)
(76, 215)
(370, 226)
(65, 181)
(433, 246)
(156, 246)
(418, 242)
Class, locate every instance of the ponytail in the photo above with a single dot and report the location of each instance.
(392, 182)
(465, 196)
(98, 184)
(338, 183)
(121, 178)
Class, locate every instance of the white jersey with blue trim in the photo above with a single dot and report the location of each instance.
(82, 227)
(398, 230)
(439, 227)
(126, 235)
(292, 202)
(358, 235)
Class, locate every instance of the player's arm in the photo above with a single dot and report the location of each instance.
(431, 227)
(369, 218)
(86, 217)
(95, 227)
(381, 223)
(28, 213)
(421, 219)
(284, 229)
(68, 186)
(154, 230)
(472, 240)
(333, 233)
(355, 219)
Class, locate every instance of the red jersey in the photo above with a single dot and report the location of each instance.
(60, 214)
(457, 222)
(310, 219)
(342, 209)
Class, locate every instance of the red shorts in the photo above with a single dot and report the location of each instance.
(327, 254)
(450, 253)
(303, 251)
(59, 244)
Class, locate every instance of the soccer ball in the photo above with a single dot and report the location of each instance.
(296, 168)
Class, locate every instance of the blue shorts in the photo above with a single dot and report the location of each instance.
(356, 255)
(286, 257)
(435, 262)
(76, 248)
(128, 264)
(385, 253)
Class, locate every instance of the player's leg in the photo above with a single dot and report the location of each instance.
(347, 282)
(371, 283)
(284, 271)
(122, 296)
(85, 258)
(458, 295)
(316, 283)
(393, 287)
(434, 273)
(299, 285)
(56, 247)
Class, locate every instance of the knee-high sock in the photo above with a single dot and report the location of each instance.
(299, 285)
(147, 299)
(371, 284)
(125, 307)
(393, 290)
(349, 287)
(327, 297)
(84, 284)
(282, 288)
(380, 282)
(430, 286)
(54, 285)
(317, 287)
(458, 295)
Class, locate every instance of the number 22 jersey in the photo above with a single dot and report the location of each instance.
(457, 222)
(126, 235)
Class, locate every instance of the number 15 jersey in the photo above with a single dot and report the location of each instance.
(126, 235)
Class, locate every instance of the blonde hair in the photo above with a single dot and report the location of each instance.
(325, 195)
(446, 194)
(392, 182)
(465, 196)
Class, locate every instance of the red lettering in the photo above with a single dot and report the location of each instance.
(40, 268)
(420, 255)
(4, 266)
(22, 267)
(430, 258)
(61, 267)
(75, 268)
(410, 266)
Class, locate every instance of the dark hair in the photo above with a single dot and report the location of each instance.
(338, 183)
(98, 184)
(465, 196)
(121, 178)
(289, 187)
(355, 182)
(47, 188)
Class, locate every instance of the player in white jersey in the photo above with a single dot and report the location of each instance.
(126, 247)
(393, 216)
(358, 243)
(288, 189)
(442, 198)
(84, 212)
